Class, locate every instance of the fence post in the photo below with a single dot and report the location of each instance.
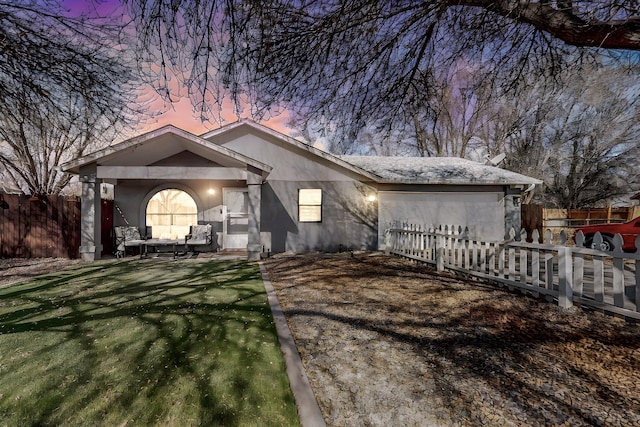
(440, 251)
(565, 277)
(387, 241)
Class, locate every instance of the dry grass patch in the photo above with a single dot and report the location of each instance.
(389, 342)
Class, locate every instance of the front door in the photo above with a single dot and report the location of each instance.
(107, 226)
(235, 211)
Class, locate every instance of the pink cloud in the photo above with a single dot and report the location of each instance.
(180, 114)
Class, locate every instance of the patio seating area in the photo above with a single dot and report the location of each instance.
(128, 239)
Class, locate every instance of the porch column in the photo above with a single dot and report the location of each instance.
(254, 183)
(90, 210)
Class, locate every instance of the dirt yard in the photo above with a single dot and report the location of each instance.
(13, 270)
(387, 342)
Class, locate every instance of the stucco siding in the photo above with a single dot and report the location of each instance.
(289, 164)
(482, 212)
(348, 220)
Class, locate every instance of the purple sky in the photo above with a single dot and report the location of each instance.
(179, 113)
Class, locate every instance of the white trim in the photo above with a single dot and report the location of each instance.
(170, 172)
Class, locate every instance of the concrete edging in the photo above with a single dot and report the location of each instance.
(308, 409)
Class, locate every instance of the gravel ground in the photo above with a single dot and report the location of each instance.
(386, 342)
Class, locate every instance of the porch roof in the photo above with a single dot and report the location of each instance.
(152, 147)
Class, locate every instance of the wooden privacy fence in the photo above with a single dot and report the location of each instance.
(608, 281)
(541, 218)
(32, 227)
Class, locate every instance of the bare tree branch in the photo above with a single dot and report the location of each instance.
(65, 85)
(608, 25)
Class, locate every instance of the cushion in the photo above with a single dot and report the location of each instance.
(131, 233)
(200, 235)
(127, 236)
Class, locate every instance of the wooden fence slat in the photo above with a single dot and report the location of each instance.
(467, 253)
(524, 267)
(39, 227)
(548, 270)
(492, 258)
(578, 276)
(598, 278)
(535, 267)
(618, 282)
(512, 263)
(565, 278)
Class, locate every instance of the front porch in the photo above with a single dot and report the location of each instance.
(225, 187)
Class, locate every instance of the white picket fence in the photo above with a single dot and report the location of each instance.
(607, 281)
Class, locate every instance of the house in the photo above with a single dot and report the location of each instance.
(265, 191)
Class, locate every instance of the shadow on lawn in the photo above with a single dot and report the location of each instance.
(489, 351)
(141, 328)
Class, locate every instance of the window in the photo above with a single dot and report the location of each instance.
(170, 213)
(309, 205)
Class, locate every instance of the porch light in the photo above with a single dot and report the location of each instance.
(371, 198)
(211, 191)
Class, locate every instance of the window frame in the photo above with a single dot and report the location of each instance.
(317, 205)
(175, 217)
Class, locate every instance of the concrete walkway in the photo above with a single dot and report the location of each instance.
(308, 410)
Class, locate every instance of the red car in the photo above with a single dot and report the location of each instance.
(628, 230)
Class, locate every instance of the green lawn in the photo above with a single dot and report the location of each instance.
(143, 342)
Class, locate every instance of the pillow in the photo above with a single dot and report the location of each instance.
(131, 233)
(201, 232)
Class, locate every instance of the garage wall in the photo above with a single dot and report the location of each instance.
(482, 212)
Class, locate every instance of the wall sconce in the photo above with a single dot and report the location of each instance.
(516, 201)
(211, 191)
(371, 198)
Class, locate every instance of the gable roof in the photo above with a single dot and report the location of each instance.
(437, 170)
(399, 170)
(291, 144)
(154, 146)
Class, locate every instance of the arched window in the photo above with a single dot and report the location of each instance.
(170, 213)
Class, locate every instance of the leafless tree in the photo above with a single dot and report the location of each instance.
(361, 65)
(65, 86)
(356, 63)
(577, 132)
